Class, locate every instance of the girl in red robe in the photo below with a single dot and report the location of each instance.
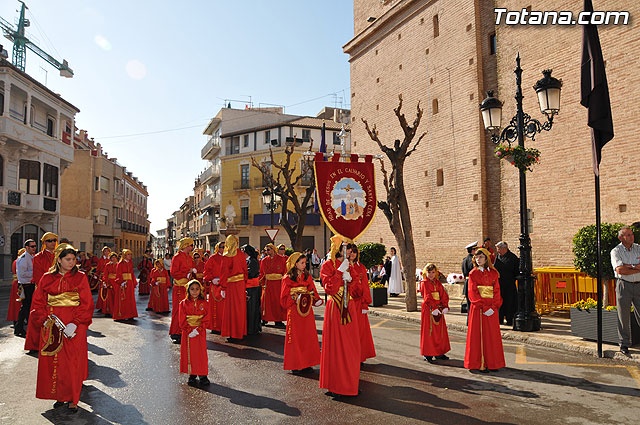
(14, 296)
(434, 338)
(359, 275)
(272, 269)
(212, 276)
(193, 316)
(233, 278)
(182, 271)
(340, 356)
(124, 303)
(102, 262)
(299, 295)
(159, 283)
(484, 341)
(109, 283)
(63, 298)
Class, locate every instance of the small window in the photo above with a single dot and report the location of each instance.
(30, 177)
(439, 177)
(245, 141)
(51, 126)
(104, 184)
(244, 212)
(493, 44)
(306, 135)
(434, 106)
(235, 145)
(267, 137)
(244, 176)
(50, 180)
(96, 184)
(436, 26)
(1, 103)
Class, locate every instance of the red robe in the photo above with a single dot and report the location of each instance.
(100, 303)
(145, 266)
(14, 301)
(434, 338)
(42, 262)
(108, 279)
(199, 266)
(340, 357)
(359, 275)
(233, 278)
(181, 265)
(193, 351)
(60, 376)
(484, 341)
(216, 302)
(273, 268)
(159, 296)
(301, 347)
(124, 299)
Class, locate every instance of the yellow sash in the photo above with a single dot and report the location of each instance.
(181, 282)
(111, 276)
(162, 280)
(126, 276)
(435, 296)
(235, 278)
(297, 290)
(273, 276)
(194, 320)
(15, 276)
(345, 317)
(485, 291)
(65, 299)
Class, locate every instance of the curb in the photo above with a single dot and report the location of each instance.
(525, 339)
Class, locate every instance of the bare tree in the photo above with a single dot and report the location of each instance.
(396, 207)
(289, 183)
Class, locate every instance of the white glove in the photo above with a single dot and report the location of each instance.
(223, 294)
(194, 270)
(70, 330)
(436, 312)
(488, 312)
(365, 311)
(194, 333)
(318, 303)
(123, 284)
(445, 310)
(104, 285)
(344, 266)
(346, 276)
(216, 281)
(298, 298)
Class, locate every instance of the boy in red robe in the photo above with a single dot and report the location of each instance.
(212, 276)
(233, 280)
(194, 314)
(107, 289)
(272, 269)
(359, 275)
(159, 283)
(124, 303)
(102, 262)
(181, 271)
(434, 338)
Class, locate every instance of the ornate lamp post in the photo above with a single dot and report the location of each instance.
(522, 125)
(271, 197)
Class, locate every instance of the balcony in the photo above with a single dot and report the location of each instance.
(209, 201)
(208, 228)
(241, 184)
(210, 174)
(211, 148)
(22, 134)
(21, 201)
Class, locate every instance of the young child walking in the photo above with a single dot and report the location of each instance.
(193, 320)
(434, 338)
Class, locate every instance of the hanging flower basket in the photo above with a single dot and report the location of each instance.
(522, 158)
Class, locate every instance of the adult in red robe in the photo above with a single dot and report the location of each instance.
(107, 289)
(272, 269)
(14, 296)
(340, 356)
(198, 264)
(359, 277)
(145, 266)
(434, 338)
(63, 362)
(181, 270)
(159, 282)
(299, 295)
(484, 341)
(102, 262)
(282, 251)
(211, 275)
(233, 279)
(194, 314)
(124, 303)
(42, 262)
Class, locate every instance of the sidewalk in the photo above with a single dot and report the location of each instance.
(555, 332)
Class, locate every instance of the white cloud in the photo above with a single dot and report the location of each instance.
(136, 69)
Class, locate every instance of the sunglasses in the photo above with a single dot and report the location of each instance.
(51, 240)
(32, 246)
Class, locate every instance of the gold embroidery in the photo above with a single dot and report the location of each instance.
(126, 276)
(181, 282)
(194, 320)
(65, 299)
(435, 296)
(236, 278)
(273, 276)
(485, 291)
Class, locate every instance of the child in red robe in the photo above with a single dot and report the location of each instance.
(14, 296)
(299, 295)
(109, 281)
(359, 275)
(159, 284)
(484, 341)
(212, 277)
(193, 317)
(124, 305)
(434, 338)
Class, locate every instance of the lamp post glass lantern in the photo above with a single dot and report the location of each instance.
(271, 197)
(520, 127)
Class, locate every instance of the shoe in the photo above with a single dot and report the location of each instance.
(442, 357)
(204, 381)
(21, 334)
(429, 359)
(72, 409)
(59, 404)
(279, 325)
(264, 322)
(624, 350)
(192, 380)
(483, 370)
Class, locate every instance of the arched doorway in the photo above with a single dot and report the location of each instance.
(28, 231)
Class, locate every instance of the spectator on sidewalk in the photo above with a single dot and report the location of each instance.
(467, 266)
(386, 271)
(395, 277)
(24, 270)
(625, 259)
(508, 265)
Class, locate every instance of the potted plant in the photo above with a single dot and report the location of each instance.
(584, 322)
(371, 255)
(522, 158)
(378, 294)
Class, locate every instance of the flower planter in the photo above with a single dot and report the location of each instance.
(378, 297)
(584, 323)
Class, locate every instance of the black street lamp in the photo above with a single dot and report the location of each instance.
(522, 125)
(271, 197)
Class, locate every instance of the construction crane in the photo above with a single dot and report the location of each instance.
(21, 43)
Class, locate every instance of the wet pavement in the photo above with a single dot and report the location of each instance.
(134, 379)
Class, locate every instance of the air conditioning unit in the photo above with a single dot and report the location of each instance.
(275, 142)
(294, 140)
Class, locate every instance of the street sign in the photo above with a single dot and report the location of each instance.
(272, 233)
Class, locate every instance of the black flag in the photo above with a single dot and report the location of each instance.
(595, 90)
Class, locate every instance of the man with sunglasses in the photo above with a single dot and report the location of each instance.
(42, 262)
(24, 270)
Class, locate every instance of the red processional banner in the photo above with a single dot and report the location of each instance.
(346, 194)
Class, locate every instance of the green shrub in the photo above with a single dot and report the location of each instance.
(371, 254)
(288, 251)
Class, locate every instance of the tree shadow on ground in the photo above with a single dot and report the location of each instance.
(106, 375)
(252, 401)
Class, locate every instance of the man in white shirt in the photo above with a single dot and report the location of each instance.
(24, 270)
(625, 259)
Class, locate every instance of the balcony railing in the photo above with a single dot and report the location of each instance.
(211, 148)
(208, 201)
(210, 174)
(241, 184)
(210, 227)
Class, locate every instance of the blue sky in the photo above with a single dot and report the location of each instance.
(147, 66)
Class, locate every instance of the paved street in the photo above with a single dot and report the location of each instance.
(134, 379)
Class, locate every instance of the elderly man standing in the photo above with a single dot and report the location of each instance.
(24, 269)
(508, 265)
(625, 259)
